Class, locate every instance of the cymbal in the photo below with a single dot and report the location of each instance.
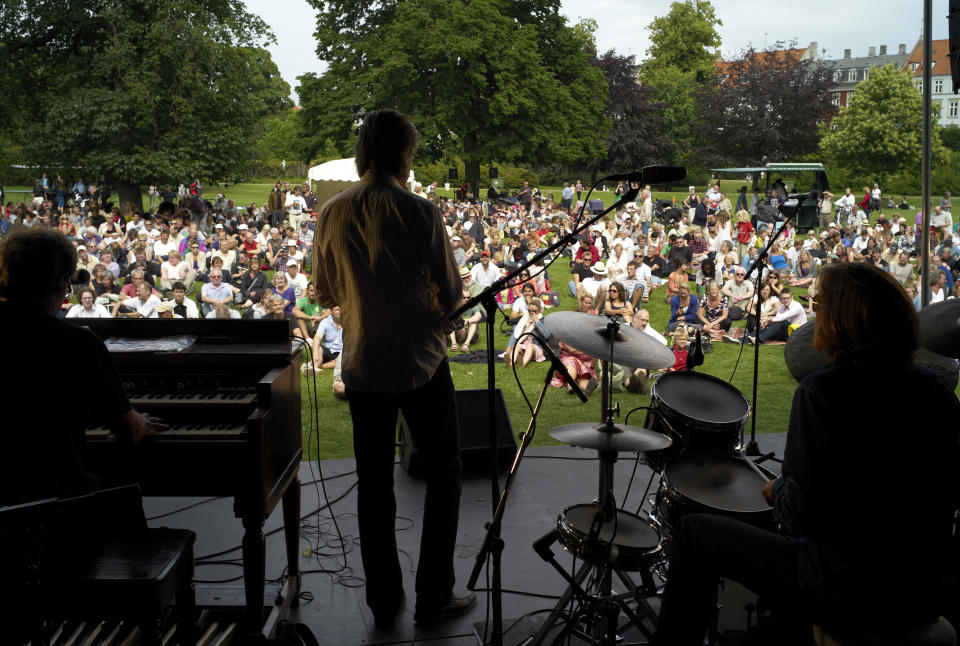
(940, 328)
(589, 334)
(622, 438)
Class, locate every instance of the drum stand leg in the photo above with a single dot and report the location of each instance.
(596, 606)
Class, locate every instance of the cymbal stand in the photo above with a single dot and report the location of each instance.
(597, 606)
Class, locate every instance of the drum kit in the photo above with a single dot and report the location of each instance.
(693, 426)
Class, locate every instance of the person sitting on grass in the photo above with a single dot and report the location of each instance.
(637, 282)
(309, 313)
(681, 341)
(617, 305)
(805, 270)
(253, 285)
(580, 367)
(471, 318)
(677, 278)
(88, 308)
(713, 313)
(328, 341)
(527, 348)
(183, 307)
(520, 306)
(683, 309)
(788, 313)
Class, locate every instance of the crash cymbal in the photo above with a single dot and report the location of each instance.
(940, 328)
(589, 334)
(622, 438)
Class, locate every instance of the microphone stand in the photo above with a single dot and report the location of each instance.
(752, 448)
(493, 543)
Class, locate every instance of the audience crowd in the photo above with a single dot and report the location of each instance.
(191, 257)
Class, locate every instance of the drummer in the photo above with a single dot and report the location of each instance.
(837, 563)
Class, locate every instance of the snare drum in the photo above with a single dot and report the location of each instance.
(705, 413)
(716, 484)
(630, 543)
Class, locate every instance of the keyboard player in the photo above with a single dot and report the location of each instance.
(58, 378)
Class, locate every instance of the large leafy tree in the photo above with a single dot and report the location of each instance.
(635, 137)
(680, 61)
(879, 132)
(482, 79)
(766, 106)
(135, 91)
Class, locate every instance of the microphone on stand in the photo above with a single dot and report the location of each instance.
(559, 368)
(696, 356)
(812, 195)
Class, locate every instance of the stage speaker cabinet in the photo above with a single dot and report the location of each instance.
(474, 440)
(596, 206)
(494, 172)
(452, 173)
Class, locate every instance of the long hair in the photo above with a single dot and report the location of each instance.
(863, 314)
(385, 139)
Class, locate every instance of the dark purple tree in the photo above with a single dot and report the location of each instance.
(634, 139)
(766, 106)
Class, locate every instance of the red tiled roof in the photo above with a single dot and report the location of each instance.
(940, 57)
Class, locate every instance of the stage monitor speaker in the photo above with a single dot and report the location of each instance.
(474, 441)
(452, 173)
(494, 172)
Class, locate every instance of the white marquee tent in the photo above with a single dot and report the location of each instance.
(332, 177)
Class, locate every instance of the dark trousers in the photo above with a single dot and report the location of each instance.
(775, 331)
(431, 414)
(707, 547)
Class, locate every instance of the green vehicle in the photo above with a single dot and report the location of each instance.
(801, 177)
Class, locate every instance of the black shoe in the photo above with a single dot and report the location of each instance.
(455, 607)
(384, 620)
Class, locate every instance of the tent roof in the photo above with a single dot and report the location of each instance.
(339, 170)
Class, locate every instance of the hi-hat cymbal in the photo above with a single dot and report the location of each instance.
(589, 334)
(621, 438)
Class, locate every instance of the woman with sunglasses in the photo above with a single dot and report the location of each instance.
(617, 305)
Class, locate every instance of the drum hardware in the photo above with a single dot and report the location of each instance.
(493, 544)
(609, 541)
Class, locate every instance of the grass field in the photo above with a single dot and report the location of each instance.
(775, 392)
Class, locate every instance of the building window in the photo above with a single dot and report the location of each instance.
(914, 66)
(866, 73)
(938, 86)
(836, 99)
(836, 75)
(954, 109)
(920, 86)
(852, 75)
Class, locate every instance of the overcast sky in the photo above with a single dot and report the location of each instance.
(622, 26)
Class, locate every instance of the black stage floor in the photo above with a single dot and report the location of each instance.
(549, 480)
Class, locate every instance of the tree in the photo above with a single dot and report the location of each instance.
(635, 137)
(950, 136)
(482, 79)
(680, 61)
(879, 132)
(680, 39)
(146, 90)
(765, 107)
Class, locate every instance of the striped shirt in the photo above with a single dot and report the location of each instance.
(382, 254)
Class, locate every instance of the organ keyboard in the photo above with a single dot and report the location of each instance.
(232, 400)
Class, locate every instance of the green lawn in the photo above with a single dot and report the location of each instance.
(775, 392)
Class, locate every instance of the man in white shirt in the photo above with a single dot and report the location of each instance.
(182, 306)
(637, 282)
(860, 243)
(163, 246)
(788, 313)
(646, 211)
(144, 305)
(941, 220)
(596, 285)
(216, 292)
(636, 382)
(848, 200)
(738, 290)
(485, 273)
(295, 205)
(295, 279)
